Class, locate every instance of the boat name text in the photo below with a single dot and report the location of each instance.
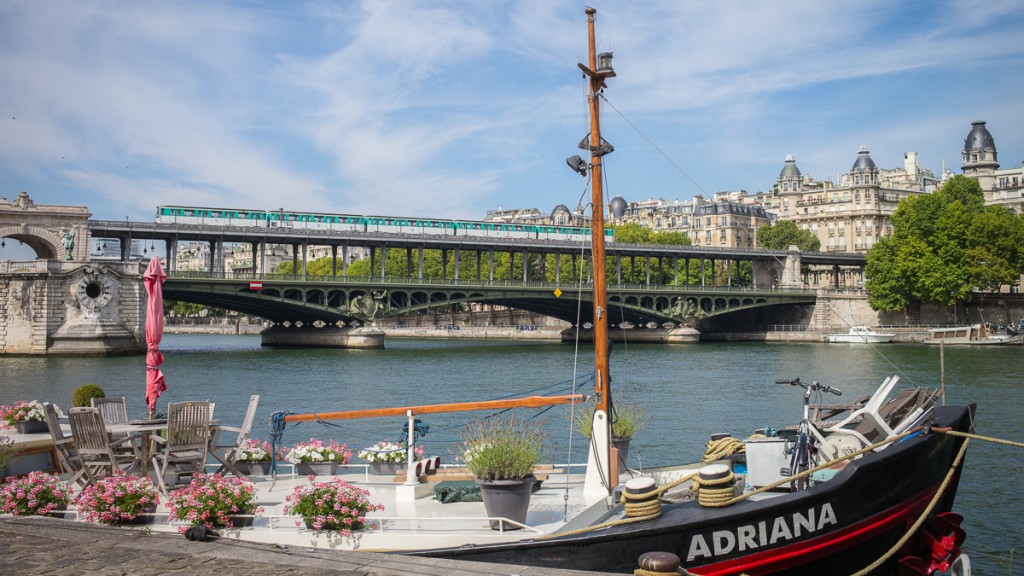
(763, 533)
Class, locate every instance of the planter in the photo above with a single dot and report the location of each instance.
(31, 427)
(316, 468)
(622, 445)
(241, 521)
(386, 468)
(507, 499)
(254, 468)
(146, 517)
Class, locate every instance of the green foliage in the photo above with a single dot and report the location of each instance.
(502, 448)
(944, 246)
(633, 233)
(84, 394)
(628, 418)
(6, 453)
(784, 234)
(179, 308)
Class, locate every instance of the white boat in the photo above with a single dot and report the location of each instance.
(973, 335)
(861, 335)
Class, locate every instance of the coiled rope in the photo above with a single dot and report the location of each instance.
(718, 449)
(715, 492)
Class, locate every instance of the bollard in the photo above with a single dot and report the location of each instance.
(657, 564)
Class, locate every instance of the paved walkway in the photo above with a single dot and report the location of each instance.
(36, 545)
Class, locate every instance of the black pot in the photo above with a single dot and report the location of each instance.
(507, 499)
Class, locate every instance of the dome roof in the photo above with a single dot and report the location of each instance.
(560, 208)
(617, 206)
(979, 139)
(789, 170)
(864, 161)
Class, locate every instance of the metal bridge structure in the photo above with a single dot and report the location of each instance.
(333, 300)
(337, 299)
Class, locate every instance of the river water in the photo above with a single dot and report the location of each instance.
(690, 392)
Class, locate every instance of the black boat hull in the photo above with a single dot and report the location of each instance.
(837, 527)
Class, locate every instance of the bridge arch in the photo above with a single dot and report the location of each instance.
(46, 244)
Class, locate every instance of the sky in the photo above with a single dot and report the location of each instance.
(451, 109)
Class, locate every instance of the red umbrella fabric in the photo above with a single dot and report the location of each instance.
(154, 280)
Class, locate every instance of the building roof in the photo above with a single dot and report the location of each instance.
(979, 138)
(789, 170)
(864, 161)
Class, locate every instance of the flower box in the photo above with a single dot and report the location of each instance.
(31, 427)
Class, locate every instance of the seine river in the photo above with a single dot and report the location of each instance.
(690, 391)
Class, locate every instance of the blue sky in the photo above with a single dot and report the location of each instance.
(449, 109)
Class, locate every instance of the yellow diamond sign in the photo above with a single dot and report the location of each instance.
(558, 292)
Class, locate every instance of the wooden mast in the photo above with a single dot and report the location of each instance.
(602, 377)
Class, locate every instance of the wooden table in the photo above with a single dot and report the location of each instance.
(143, 429)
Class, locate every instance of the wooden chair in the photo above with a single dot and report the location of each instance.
(95, 448)
(113, 410)
(67, 457)
(187, 442)
(227, 453)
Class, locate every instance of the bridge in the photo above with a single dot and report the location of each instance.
(353, 301)
(63, 301)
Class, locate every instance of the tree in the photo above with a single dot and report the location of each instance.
(784, 234)
(944, 246)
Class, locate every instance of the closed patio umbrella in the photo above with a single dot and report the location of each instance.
(154, 280)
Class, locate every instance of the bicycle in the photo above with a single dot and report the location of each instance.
(803, 452)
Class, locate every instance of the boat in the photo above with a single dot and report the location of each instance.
(973, 335)
(880, 498)
(861, 335)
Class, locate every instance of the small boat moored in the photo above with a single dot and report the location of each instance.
(861, 335)
(973, 335)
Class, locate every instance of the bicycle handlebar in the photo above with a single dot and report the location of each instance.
(813, 386)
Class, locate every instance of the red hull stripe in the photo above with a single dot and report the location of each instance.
(800, 553)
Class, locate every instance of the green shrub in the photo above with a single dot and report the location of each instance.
(84, 394)
(502, 448)
(627, 418)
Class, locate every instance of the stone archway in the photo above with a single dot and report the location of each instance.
(44, 228)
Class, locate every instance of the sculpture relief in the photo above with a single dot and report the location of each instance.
(365, 307)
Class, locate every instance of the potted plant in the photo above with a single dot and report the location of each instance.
(26, 417)
(317, 457)
(335, 505)
(118, 499)
(627, 418)
(38, 493)
(388, 457)
(211, 500)
(254, 457)
(501, 453)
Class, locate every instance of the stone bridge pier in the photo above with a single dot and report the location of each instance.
(53, 307)
(780, 273)
(61, 303)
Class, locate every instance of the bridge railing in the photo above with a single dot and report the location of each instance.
(473, 283)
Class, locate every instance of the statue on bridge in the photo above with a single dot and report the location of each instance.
(365, 307)
(685, 311)
(69, 242)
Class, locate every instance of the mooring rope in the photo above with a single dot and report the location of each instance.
(983, 438)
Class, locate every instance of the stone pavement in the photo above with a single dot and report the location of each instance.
(36, 545)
